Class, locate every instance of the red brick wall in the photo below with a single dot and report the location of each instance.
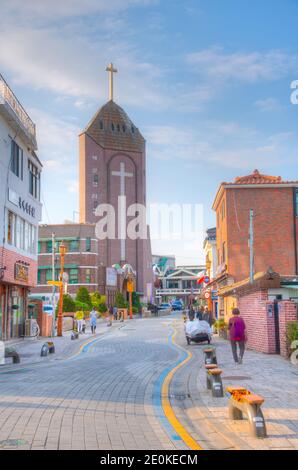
(287, 313)
(259, 325)
(274, 243)
(9, 260)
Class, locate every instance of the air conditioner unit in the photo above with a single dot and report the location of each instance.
(30, 327)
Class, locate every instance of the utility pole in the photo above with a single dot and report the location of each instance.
(62, 250)
(54, 287)
(251, 246)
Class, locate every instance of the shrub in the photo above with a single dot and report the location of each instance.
(84, 296)
(135, 309)
(292, 332)
(68, 305)
(120, 302)
(102, 308)
(136, 301)
(97, 299)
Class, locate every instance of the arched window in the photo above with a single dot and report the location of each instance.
(112, 126)
(101, 125)
(118, 127)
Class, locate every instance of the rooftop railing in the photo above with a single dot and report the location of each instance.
(15, 105)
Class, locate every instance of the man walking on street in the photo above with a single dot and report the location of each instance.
(236, 329)
(207, 316)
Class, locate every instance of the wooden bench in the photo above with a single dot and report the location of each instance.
(213, 380)
(11, 352)
(210, 356)
(243, 401)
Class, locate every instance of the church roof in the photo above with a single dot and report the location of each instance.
(111, 128)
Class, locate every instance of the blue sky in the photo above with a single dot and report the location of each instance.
(206, 81)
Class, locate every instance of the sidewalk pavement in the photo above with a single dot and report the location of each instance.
(271, 376)
(29, 349)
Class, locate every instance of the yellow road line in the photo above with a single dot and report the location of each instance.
(168, 410)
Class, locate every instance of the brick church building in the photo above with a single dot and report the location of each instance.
(112, 155)
(113, 165)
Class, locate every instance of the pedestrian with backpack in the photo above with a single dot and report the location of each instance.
(236, 328)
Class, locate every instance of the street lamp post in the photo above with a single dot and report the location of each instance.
(130, 288)
(62, 251)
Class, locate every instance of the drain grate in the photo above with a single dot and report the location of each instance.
(19, 371)
(12, 443)
(236, 377)
(179, 396)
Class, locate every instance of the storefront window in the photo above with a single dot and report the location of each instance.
(73, 276)
(88, 276)
(74, 245)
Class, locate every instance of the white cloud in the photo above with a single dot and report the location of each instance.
(73, 186)
(65, 64)
(218, 144)
(65, 8)
(267, 104)
(245, 67)
(57, 142)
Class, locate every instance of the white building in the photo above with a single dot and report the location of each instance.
(20, 212)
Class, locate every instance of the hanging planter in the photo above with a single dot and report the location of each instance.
(15, 307)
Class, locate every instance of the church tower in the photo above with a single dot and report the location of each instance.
(113, 164)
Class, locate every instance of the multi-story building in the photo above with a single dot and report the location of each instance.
(211, 268)
(257, 219)
(20, 212)
(82, 264)
(180, 282)
(211, 253)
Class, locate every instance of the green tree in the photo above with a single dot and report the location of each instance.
(102, 308)
(83, 306)
(120, 302)
(84, 296)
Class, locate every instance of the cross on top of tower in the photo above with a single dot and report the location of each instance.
(110, 68)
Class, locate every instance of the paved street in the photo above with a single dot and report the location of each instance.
(109, 396)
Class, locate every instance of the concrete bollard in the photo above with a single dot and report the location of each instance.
(214, 382)
(11, 352)
(44, 350)
(209, 367)
(210, 356)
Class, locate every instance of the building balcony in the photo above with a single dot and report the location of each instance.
(16, 116)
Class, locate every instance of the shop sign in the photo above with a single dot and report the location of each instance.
(130, 286)
(21, 272)
(111, 277)
(26, 207)
(214, 295)
(17, 200)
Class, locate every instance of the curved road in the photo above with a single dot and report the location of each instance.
(115, 394)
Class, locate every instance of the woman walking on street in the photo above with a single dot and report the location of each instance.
(236, 329)
(93, 320)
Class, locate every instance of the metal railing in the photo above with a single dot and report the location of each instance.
(177, 291)
(15, 105)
